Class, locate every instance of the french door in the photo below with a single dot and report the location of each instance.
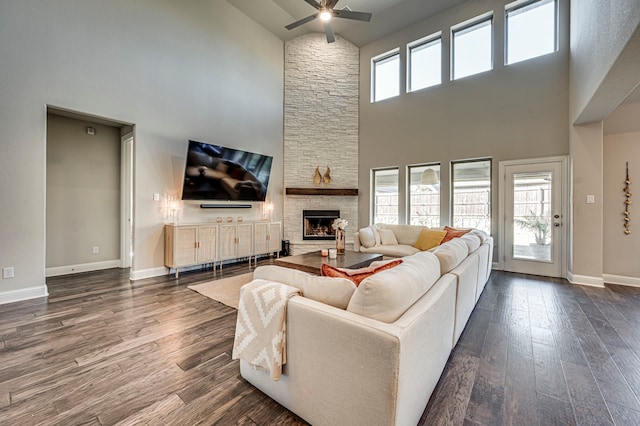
(533, 203)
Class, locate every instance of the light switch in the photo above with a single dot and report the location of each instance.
(591, 199)
(156, 196)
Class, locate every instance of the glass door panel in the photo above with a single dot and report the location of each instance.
(532, 238)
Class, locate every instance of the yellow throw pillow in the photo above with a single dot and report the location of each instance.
(429, 238)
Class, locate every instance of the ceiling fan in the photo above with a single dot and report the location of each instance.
(325, 11)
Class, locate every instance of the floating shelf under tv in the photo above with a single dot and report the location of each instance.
(323, 191)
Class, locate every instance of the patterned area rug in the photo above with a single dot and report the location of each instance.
(226, 290)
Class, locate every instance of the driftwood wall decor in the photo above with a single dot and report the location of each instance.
(627, 202)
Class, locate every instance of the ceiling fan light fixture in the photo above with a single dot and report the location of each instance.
(325, 15)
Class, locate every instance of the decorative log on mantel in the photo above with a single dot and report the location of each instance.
(322, 191)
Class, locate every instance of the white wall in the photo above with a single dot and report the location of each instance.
(512, 112)
(621, 145)
(194, 69)
(605, 68)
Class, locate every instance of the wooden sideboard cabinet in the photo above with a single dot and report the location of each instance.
(187, 245)
(267, 238)
(194, 244)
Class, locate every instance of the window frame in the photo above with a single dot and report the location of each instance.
(522, 4)
(409, 193)
(452, 187)
(422, 42)
(373, 200)
(464, 26)
(382, 58)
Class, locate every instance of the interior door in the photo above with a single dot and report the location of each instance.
(533, 211)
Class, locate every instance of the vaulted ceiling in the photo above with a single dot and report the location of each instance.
(389, 16)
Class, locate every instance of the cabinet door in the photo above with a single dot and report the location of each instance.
(185, 245)
(245, 240)
(261, 238)
(228, 245)
(274, 237)
(207, 243)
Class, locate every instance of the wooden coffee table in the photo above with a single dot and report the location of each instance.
(311, 262)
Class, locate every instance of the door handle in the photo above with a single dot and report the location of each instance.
(556, 224)
(556, 216)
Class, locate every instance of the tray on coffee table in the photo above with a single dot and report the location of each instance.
(312, 262)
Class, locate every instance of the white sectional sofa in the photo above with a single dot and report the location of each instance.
(377, 361)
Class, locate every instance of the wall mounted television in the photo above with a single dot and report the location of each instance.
(214, 172)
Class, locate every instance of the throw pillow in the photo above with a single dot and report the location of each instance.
(453, 233)
(355, 275)
(388, 238)
(429, 238)
(367, 239)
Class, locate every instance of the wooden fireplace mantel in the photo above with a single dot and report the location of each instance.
(322, 191)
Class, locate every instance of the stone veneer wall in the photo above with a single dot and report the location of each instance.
(320, 129)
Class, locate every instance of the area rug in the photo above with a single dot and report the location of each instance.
(226, 290)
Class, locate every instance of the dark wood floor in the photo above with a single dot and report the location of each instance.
(102, 350)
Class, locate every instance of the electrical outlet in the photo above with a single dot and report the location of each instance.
(156, 196)
(96, 250)
(591, 199)
(7, 272)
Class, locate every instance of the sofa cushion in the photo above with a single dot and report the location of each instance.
(331, 291)
(405, 234)
(400, 250)
(451, 254)
(429, 238)
(388, 238)
(386, 295)
(356, 275)
(453, 233)
(481, 234)
(367, 239)
(472, 241)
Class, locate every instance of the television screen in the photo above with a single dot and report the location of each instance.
(214, 172)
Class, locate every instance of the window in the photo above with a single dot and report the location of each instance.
(471, 183)
(385, 195)
(424, 195)
(531, 29)
(425, 63)
(385, 76)
(472, 50)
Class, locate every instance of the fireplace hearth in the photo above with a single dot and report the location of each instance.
(316, 224)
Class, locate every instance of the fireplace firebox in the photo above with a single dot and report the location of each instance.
(316, 224)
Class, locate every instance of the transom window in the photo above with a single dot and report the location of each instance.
(424, 195)
(471, 46)
(385, 76)
(385, 195)
(425, 63)
(531, 29)
(471, 198)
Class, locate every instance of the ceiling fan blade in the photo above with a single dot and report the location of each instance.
(328, 29)
(301, 22)
(331, 3)
(349, 14)
(314, 4)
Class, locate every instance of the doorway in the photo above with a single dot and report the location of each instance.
(533, 205)
(89, 193)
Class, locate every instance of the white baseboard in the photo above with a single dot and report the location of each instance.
(148, 273)
(621, 280)
(496, 266)
(585, 280)
(83, 267)
(23, 294)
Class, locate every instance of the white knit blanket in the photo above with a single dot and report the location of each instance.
(261, 326)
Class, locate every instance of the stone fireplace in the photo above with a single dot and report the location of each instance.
(317, 224)
(318, 142)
